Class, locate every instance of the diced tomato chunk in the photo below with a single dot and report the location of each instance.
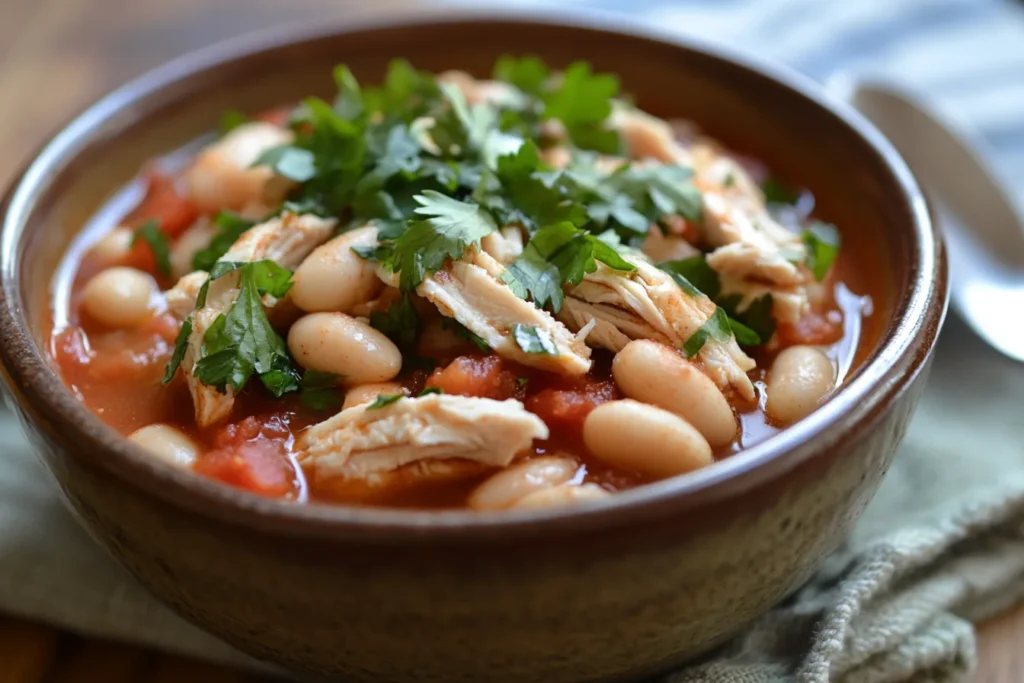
(252, 455)
(564, 410)
(165, 204)
(485, 377)
(815, 328)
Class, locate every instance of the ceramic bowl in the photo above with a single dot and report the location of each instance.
(630, 587)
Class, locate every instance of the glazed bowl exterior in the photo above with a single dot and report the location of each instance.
(625, 588)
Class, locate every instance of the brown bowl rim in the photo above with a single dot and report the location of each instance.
(918, 317)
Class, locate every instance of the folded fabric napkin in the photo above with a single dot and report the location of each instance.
(942, 544)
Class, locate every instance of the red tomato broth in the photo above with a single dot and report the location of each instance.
(117, 374)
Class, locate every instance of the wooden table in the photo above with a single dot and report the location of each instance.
(55, 57)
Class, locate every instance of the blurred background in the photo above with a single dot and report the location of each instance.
(56, 56)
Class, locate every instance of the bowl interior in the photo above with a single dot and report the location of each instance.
(859, 182)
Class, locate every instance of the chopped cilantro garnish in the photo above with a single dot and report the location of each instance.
(152, 235)
(405, 93)
(559, 255)
(230, 226)
(449, 228)
(694, 275)
(242, 342)
(755, 324)
(716, 327)
(384, 400)
(427, 391)
(522, 381)
(582, 101)
(401, 322)
(320, 390)
(293, 163)
(231, 119)
(530, 74)
(180, 347)
(822, 242)
(534, 340)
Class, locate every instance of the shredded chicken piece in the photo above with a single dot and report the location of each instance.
(504, 245)
(660, 247)
(647, 137)
(788, 305)
(360, 442)
(181, 298)
(470, 291)
(648, 304)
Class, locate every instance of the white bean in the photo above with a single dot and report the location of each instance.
(167, 443)
(559, 496)
(114, 246)
(645, 439)
(653, 373)
(120, 297)
(337, 343)
(222, 176)
(511, 484)
(334, 278)
(800, 379)
(368, 393)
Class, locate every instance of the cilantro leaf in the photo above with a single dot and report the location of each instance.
(534, 340)
(400, 323)
(529, 73)
(405, 94)
(319, 390)
(384, 400)
(582, 102)
(289, 161)
(242, 342)
(744, 335)
(231, 119)
(230, 226)
(153, 236)
(449, 228)
(694, 275)
(715, 327)
(755, 324)
(427, 391)
(349, 102)
(822, 242)
(180, 347)
(558, 255)
(527, 198)
(460, 128)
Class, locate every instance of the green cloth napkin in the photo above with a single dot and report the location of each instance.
(941, 545)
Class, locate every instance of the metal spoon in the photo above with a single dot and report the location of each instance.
(982, 223)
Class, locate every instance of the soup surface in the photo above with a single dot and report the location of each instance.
(449, 292)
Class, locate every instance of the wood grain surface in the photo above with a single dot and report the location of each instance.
(55, 57)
